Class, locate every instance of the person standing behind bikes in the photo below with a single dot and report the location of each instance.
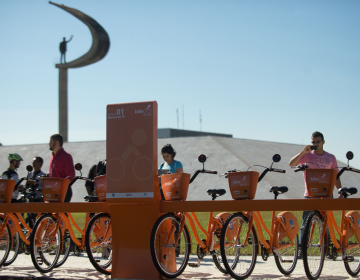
(168, 153)
(11, 173)
(316, 159)
(36, 185)
(61, 162)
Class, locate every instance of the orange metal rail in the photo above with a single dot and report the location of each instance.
(193, 206)
(260, 205)
(40, 207)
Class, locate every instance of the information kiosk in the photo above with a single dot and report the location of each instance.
(133, 191)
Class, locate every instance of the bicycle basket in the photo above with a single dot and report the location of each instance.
(6, 190)
(243, 184)
(100, 187)
(175, 186)
(320, 182)
(54, 189)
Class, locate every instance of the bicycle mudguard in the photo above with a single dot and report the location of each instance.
(355, 217)
(232, 230)
(291, 224)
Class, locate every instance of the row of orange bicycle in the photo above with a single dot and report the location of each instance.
(235, 239)
(52, 236)
(232, 239)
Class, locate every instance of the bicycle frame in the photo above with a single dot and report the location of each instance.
(345, 224)
(213, 223)
(259, 225)
(64, 222)
(13, 221)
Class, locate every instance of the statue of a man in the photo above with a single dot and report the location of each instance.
(63, 48)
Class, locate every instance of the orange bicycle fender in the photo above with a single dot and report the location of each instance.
(355, 217)
(291, 224)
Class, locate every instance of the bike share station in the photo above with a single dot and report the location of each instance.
(133, 195)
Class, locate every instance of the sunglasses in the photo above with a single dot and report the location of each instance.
(316, 142)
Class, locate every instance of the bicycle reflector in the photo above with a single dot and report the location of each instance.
(78, 166)
(202, 158)
(276, 158)
(349, 155)
(29, 168)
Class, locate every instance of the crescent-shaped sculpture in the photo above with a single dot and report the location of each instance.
(100, 40)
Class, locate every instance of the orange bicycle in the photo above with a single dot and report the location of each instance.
(320, 183)
(52, 234)
(10, 226)
(241, 231)
(170, 241)
(98, 237)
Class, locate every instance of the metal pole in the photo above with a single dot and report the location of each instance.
(63, 103)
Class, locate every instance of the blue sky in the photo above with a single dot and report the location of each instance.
(264, 70)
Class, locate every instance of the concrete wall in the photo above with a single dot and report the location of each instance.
(223, 154)
(174, 133)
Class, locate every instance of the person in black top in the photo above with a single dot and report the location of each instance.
(36, 186)
(90, 186)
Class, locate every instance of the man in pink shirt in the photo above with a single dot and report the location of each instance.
(61, 163)
(316, 159)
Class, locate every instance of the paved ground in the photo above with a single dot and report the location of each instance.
(80, 268)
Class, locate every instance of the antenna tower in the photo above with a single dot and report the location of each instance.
(200, 121)
(177, 115)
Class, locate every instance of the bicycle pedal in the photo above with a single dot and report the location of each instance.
(39, 261)
(349, 259)
(193, 265)
(287, 261)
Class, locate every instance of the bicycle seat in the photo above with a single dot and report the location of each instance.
(91, 198)
(279, 190)
(216, 193)
(348, 191)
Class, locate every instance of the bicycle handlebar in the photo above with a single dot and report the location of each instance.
(81, 178)
(201, 171)
(346, 169)
(301, 167)
(278, 170)
(271, 170)
(20, 181)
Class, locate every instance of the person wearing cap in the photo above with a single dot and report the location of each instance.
(11, 173)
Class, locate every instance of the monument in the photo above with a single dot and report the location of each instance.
(99, 48)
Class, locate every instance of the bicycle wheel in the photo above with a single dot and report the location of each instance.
(286, 258)
(352, 266)
(239, 259)
(5, 240)
(218, 261)
(170, 260)
(14, 249)
(313, 252)
(98, 242)
(217, 256)
(64, 249)
(45, 250)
